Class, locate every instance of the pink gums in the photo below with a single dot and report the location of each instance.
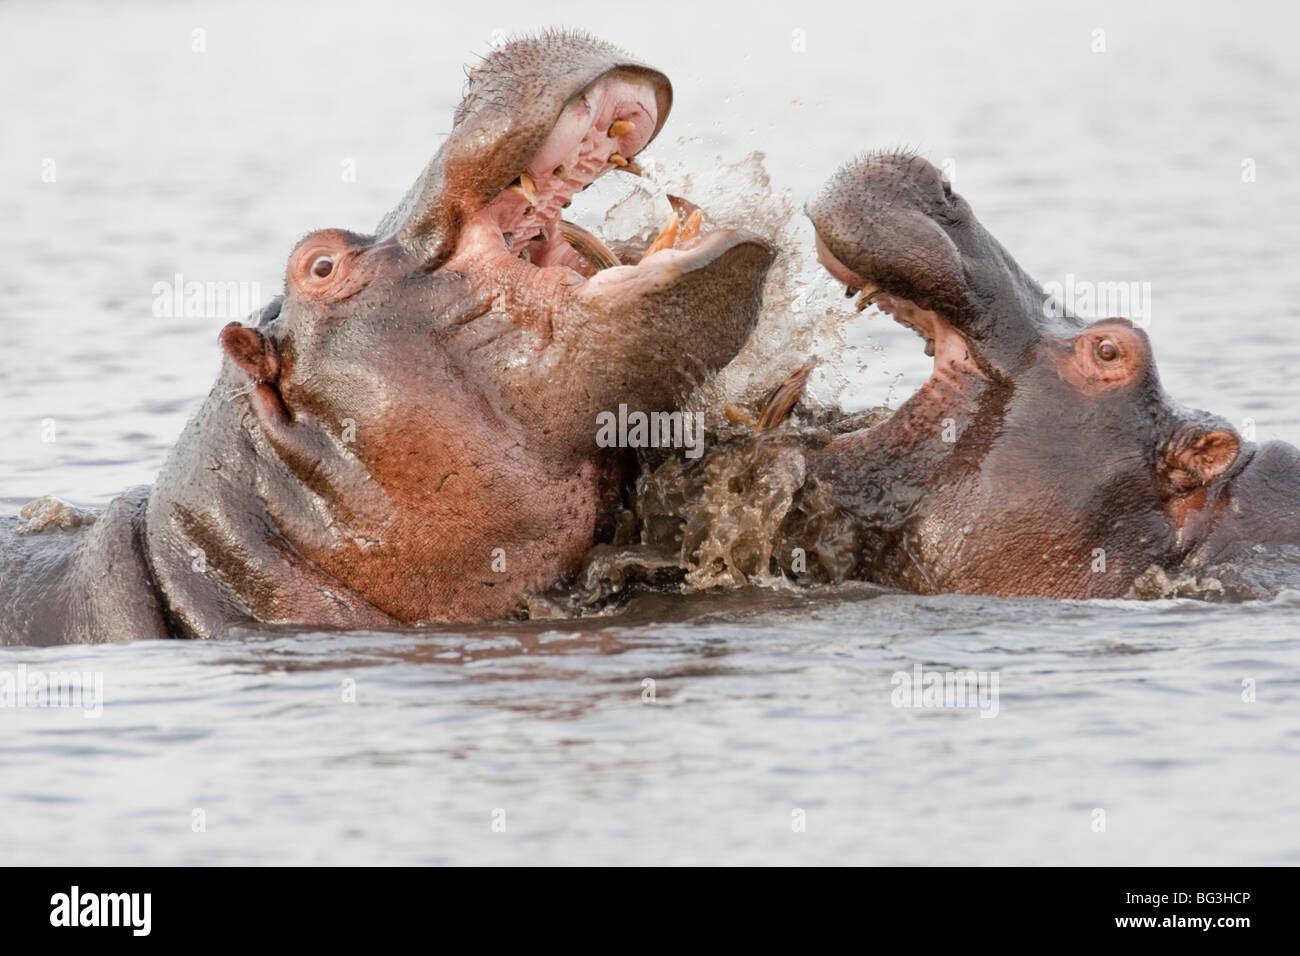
(577, 151)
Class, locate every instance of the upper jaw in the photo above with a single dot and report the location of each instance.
(601, 128)
(513, 100)
(949, 348)
(520, 230)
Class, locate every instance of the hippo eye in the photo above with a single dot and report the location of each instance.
(322, 267)
(1107, 350)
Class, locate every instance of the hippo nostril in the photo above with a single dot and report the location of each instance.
(322, 267)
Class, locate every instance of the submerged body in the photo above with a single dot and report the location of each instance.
(409, 434)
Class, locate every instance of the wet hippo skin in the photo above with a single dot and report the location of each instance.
(1042, 457)
(408, 434)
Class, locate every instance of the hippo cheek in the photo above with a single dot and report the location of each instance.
(1109, 366)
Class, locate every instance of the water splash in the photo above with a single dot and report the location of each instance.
(1256, 573)
(802, 319)
(719, 522)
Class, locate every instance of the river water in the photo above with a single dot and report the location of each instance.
(753, 726)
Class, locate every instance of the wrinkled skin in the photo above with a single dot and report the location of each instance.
(409, 434)
(1042, 457)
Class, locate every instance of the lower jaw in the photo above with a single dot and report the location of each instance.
(952, 354)
(679, 250)
(948, 347)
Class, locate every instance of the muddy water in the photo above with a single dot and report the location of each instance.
(1169, 158)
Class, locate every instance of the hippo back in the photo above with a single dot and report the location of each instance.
(81, 579)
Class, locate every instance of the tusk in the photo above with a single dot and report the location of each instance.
(683, 207)
(667, 236)
(691, 228)
(867, 295)
(588, 246)
(783, 399)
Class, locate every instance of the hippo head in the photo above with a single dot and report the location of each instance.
(1042, 456)
(478, 286)
(424, 400)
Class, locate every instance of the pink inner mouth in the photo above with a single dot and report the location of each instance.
(601, 129)
(943, 342)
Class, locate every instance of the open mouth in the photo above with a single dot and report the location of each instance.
(600, 130)
(948, 347)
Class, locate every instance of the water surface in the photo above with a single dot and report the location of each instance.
(1123, 165)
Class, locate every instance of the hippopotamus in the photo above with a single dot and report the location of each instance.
(1042, 457)
(408, 433)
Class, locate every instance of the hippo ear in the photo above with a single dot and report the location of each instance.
(1196, 456)
(252, 351)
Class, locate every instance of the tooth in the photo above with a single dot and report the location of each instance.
(620, 127)
(683, 207)
(525, 186)
(929, 347)
(691, 228)
(850, 292)
(868, 294)
(560, 172)
(782, 400)
(542, 235)
(588, 246)
(530, 188)
(665, 239)
(526, 254)
(508, 238)
(630, 166)
(617, 160)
